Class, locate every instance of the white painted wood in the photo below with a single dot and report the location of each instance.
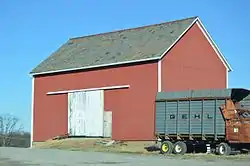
(159, 75)
(76, 114)
(107, 124)
(89, 89)
(32, 113)
(85, 113)
(95, 66)
(226, 79)
(94, 113)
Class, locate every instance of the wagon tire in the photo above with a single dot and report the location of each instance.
(166, 147)
(224, 149)
(180, 148)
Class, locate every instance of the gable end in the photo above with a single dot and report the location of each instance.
(210, 40)
(214, 46)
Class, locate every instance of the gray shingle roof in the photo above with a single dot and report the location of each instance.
(113, 47)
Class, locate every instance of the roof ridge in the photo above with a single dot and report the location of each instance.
(94, 56)
(134, 28)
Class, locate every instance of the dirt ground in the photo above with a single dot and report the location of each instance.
(88, 144)
(135, 147)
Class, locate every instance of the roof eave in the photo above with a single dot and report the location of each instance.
(118, 63)
(144, 60)
(176, 41)
(95, 66)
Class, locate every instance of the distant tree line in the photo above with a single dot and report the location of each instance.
(11, 132)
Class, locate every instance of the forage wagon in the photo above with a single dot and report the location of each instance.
(218, 120)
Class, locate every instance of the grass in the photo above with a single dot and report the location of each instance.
(135, 147)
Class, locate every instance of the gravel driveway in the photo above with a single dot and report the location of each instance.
(42, 157)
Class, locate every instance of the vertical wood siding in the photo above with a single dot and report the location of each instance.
(129, 106)
(193, 64)
(190, 64)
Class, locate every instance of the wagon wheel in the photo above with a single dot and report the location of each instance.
(166, 147)
(224, 149)
(180, 148)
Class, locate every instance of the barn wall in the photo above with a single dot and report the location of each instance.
(192, 64)
(132, 109)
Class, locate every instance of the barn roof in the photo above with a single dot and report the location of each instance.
(113, 48)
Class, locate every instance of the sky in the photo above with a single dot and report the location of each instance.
(31, 30)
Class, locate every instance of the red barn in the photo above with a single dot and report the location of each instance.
(105, 84)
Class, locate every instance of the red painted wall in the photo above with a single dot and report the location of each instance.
(133, 108)
(192, 64)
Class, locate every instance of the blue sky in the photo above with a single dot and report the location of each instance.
(31, 30)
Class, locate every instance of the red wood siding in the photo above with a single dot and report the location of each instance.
(133, 108)
(192, 64)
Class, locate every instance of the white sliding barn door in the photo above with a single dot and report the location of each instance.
(86, 111)
(94, 113)
(76, 115)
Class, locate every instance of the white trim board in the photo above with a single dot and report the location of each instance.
(159, 75)
(222, 58)
(176, 41)
(32, 112)
(226, 79)
(96, 66)
(89, 89)
(214, 46)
